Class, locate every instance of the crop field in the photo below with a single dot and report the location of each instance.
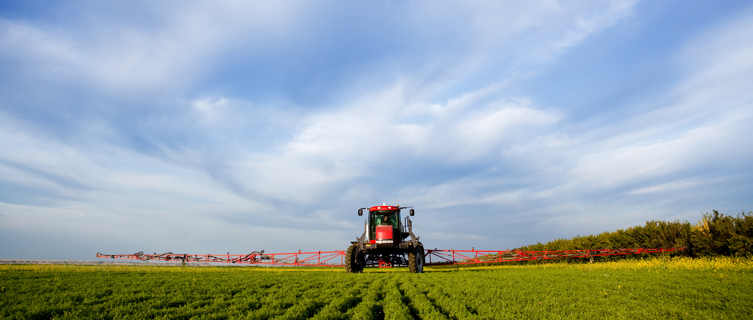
(631, 289)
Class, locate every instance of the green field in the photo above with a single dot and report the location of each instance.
(631, 289)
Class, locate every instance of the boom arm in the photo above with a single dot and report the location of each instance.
(335, 258)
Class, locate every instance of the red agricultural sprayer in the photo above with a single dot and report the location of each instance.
(386, 241)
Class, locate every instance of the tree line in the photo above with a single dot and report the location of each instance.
(716, 234)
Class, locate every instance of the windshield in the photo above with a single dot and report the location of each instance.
(384, 217)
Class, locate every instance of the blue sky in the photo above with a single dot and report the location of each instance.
(209, 128)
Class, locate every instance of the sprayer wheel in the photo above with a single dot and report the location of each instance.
(351, 259)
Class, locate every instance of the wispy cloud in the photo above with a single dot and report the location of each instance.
(126, 55)
(230, 127)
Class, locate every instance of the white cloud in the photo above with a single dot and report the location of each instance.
(585, 26)
(699, 134)
(112, 177)
(210, 110)
(613, 166)
(672, 186)
(128, 57)
(342, 146)
(522, 161)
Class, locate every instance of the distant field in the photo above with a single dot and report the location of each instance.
(637, 289)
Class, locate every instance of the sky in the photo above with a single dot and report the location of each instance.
(212, 127)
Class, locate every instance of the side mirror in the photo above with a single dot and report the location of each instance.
(360, 212)
(412, 212)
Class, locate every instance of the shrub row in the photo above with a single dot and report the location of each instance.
(716, 234)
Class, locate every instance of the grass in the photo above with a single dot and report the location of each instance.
(720, 288)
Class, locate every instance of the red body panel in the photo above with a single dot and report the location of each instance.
(382, 208)
(384, 232)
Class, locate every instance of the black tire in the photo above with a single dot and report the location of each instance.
(352, 260)
(416, 260)
(361, 258)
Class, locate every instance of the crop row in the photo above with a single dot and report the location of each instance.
(638, 290)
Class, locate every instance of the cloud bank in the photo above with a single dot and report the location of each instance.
(213, 128)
